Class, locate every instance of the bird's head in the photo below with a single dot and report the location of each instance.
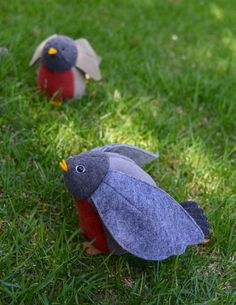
(59, 54)
(84, 173)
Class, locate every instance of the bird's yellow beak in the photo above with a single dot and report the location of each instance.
(52, 51)
(63, 165)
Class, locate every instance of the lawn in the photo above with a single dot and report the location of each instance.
(169, 79)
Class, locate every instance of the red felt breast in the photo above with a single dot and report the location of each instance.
(56, 82)
(91, 224)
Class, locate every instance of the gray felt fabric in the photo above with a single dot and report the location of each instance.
(140, 156)
(196, 212)
(39, 50)
(143, 219)
(125, 165)
(113, 246)
(87, 60)
(83, 184)
(66, 55)
(79, 82)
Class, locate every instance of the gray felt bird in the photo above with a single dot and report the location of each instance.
(121, 209)
(64, 65)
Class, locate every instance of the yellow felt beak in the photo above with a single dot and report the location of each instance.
(63, 165)
(52, 51)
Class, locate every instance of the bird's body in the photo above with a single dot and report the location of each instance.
(90, 222)
(64, 63)
(64, 85)
(121, 209)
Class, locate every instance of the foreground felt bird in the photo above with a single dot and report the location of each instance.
(64, 65)
(121, 209)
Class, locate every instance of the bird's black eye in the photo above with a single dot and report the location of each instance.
(80, 169)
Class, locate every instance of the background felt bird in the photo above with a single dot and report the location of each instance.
(64, 66)
(121, 209)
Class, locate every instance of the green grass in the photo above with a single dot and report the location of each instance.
(172, 96)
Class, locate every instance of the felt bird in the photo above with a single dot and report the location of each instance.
(64, 65)
(121, 209)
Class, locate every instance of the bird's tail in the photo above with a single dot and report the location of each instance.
(196, 212)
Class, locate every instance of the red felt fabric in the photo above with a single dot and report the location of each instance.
(51, 82)
(91, 224)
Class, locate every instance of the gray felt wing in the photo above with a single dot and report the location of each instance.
(87, 60)
(143, 219)
(138, 155)
(38, 51)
